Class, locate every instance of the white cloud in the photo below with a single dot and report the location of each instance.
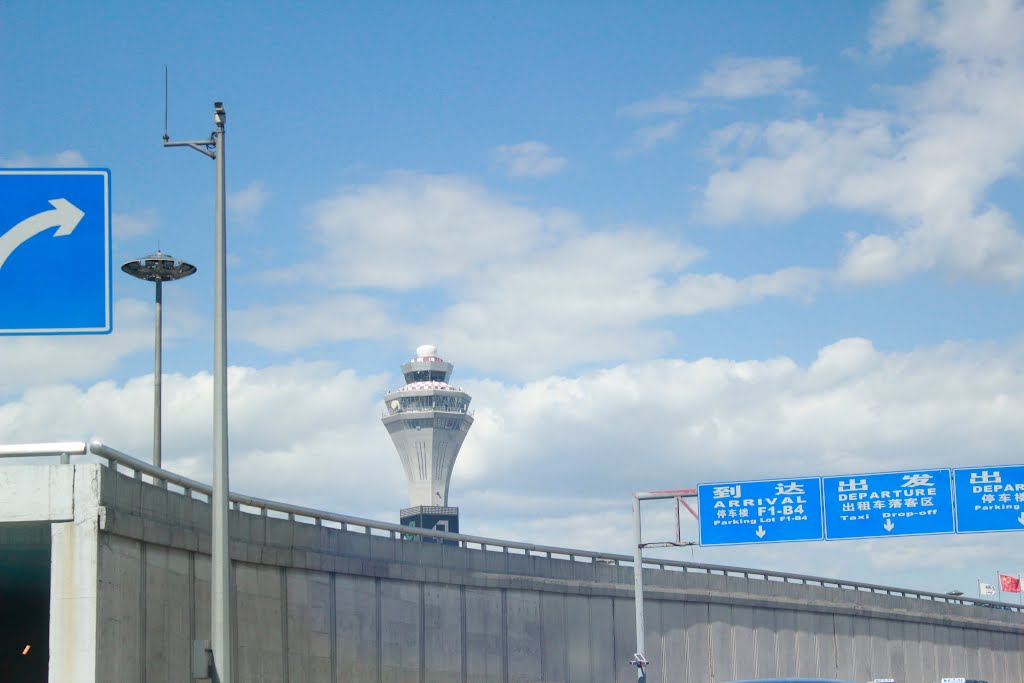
(246, 204)
(649, 137)
(415, 230)
(27, 361)
(126, 226)
(614, 290)
(985, 246)
(69, 158)
(520, 303)
(732, 142)
(984, 29)
(743, 77)
(898, 23)
(801, 164)
(732, 78)
(295, 325)
(925, 168)
(530, 159)
(854, 409)
(32, 361)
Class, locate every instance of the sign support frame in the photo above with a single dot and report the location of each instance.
(639, 661)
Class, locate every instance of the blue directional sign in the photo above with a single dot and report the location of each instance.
(989, 498)
(55, 251)
(889, 504)
(760, 511)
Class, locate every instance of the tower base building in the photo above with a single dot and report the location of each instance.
(436, 517)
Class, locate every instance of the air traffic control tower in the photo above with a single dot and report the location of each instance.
(428, 420)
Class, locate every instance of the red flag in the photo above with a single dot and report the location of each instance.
(1009, 584)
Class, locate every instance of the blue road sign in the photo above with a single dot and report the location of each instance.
(55, 251)
(760, 511)
(889, 504)
(989, 498)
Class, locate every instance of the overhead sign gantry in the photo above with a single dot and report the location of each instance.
(835, 508)
(907, 503)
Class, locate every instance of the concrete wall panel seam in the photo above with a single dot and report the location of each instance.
(463, 635)
(143, 621)
(285, 645)
(333, 626)
(378, 598)
(423, 632)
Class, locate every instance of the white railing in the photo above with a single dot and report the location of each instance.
(63, 449)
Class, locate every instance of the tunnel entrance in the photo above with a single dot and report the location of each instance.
(24, 602)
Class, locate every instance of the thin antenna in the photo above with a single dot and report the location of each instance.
(166, 137)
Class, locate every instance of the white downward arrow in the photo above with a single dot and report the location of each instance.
(1021, 518)
(64, 215)
(760, 531)
(889, 526)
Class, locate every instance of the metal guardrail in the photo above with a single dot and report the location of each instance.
(30, 450)
(190, 487)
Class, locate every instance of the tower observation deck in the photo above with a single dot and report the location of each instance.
(428, 420)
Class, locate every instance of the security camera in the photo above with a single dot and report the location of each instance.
(638, 660)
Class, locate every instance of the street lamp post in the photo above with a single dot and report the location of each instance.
(158, 268)
(221, 616)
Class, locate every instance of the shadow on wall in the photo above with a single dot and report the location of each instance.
(24, 602)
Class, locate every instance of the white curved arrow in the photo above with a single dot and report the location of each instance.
(64, 215)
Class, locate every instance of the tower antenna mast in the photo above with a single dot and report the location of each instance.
(166, 136)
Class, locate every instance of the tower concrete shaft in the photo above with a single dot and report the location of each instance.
(428, 420)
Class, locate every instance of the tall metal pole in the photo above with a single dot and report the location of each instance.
(221, 617)
(158, 374)
(221, 562)
(638, 588)
(158, 268)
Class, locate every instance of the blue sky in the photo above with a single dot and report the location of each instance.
(663, 243)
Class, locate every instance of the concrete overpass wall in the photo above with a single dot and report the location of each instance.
(321, 604)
